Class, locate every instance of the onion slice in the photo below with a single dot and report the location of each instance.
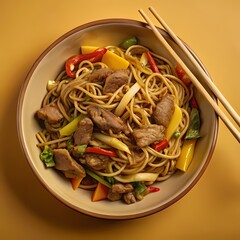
(137, 177)
(112, 141)
(126, 99)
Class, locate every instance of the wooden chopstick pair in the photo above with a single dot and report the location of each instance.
(194, 80)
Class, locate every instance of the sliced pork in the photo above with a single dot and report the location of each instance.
(164, 110)
(112, 79)
(66, 164)
(50, 113)
(122, 188)
(148, 134)
(95, 161)
(84, 131)
(106, 120)
(115, 81)
(118, 190)
(114, 196)
(129, 198)
(100, 75)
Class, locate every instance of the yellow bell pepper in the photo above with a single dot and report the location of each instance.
(175, 121)
(114, 61)
(111, 59)
(186, 155)
(71, 127)
(88, 49)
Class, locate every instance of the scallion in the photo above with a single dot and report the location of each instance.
(194, 126)
(47, 157)
(98, 178)
(129, 42)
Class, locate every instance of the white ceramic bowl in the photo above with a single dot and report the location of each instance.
(48, 65)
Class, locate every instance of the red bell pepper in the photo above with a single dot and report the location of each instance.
(94, 56)
(193, 103)
(160, 145)
(182, 75)
(152, 62)
(153, 189)
(101, 151)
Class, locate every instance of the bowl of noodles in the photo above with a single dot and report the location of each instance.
(111, 125)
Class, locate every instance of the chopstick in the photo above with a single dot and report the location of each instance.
(194, 80)
(208, 81)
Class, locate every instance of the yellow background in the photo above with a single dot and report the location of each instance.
(211, 210)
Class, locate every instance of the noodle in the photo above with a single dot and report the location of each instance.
(73, 96)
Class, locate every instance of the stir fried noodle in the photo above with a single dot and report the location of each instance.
(73, 96)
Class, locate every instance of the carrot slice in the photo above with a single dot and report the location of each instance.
(76, 182)
(100, 192)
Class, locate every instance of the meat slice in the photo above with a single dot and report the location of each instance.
(129, 198)
(95, 161)
(117, 191)
(84, 131)
(100, 75)
(66, 164)
(50, 113)
(164, 110)
(149, 134)
(122, 188)
(115, 81)
(106, 120)
(114, 196)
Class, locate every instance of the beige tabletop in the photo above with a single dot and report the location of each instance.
(211, 210)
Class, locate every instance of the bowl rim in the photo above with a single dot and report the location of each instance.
(20, 130)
